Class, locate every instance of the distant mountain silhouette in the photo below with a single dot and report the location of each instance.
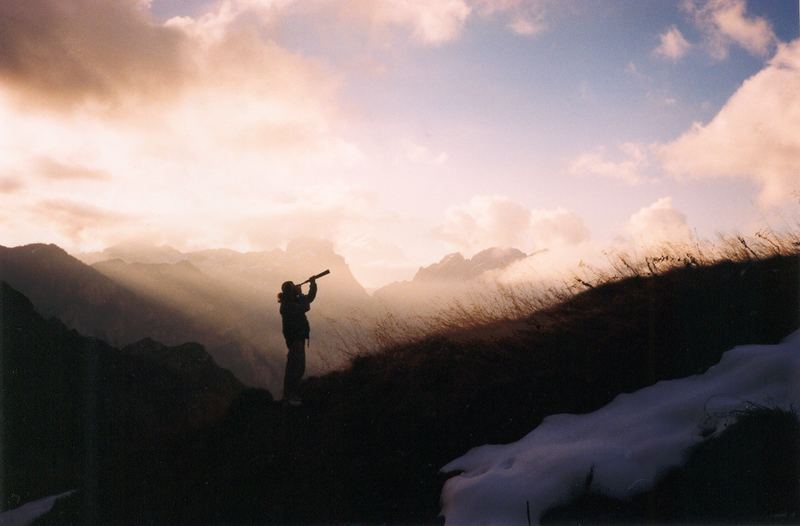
(86, 300)
(452, 278)
(72, 403)
(455, 267)
(221, 298)
(264, 270)
(135, 253)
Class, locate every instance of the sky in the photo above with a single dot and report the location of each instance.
(400, 130)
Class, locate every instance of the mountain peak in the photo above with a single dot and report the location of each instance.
(455, 267)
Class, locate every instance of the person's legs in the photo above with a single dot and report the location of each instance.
(295, 367)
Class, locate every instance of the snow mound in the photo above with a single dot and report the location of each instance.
(630, 441)
(27, 513)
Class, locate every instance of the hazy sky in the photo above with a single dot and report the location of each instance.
(401, 130)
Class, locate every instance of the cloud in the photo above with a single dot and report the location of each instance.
(416, 153)
(72, 218)
(325, 211)
(55, 170)
(525, 17)
(494, 220)
(526, 26)
(58, 53)
(659, 223)
(9, 185)
(754, 135)
(559, 227)
(627, 169)
(673, 45)
(725, 23)
(432, 22)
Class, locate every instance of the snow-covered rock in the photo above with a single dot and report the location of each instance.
(30, 511)
(630, 441)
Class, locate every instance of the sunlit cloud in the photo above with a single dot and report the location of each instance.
(627, 166)
(659, 223)
(526, 17)
(673, 45)
(9, 185)
(56, 170)
(244, 117)
(754, 135)
(73, 218)
(88, 52)
(416, 153)
(499, 221)
(527, 26)
(559, 227)
(725, 23)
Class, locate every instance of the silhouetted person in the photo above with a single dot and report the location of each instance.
(294, 305)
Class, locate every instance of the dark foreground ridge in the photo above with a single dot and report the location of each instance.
(368, 444)
(72, 405)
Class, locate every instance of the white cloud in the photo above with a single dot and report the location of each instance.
(559, 227)
(673, 45)
(527, 26)
(494, 220)
(659, 223)
(725, 23)
(755, 134)
(416, 153)
(627, 168)
(432, 22)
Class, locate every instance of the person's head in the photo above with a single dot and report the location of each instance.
(288, 291)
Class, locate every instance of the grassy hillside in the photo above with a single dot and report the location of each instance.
(370, 441)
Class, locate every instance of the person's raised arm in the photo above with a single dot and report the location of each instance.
(312, 290)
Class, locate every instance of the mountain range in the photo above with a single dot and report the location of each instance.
(225, 299)
(72, 404)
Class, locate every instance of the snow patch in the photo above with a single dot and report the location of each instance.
(630, 441)
(29, 512)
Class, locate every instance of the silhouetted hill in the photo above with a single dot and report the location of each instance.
(72, 405)
(86, 300)
(369, 441)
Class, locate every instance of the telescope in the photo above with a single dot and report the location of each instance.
(323, 273)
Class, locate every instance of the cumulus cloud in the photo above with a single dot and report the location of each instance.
(673, 45)
(495, 220)
(432, 22)
(526, 17)
(559, 227)
(725, 23)
(626, 168)
(754, 135)
(243, 114)
(659, 223)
